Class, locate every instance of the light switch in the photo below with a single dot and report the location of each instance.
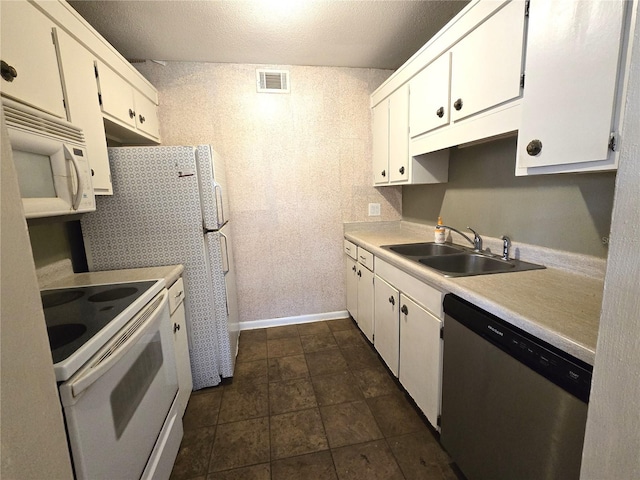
(374, 209)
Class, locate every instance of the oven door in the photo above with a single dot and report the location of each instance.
(115, 405)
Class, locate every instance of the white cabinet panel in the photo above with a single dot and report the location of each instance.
(146, 115)
(365, 302)
(429, 97)
(570, 84)
(399, 135)
(79, 79)
(487, 63)
(352, 286)
(387, 337)
(116, 96)
(381, 143)
(420, 357)
(181, 343)
(26, 44)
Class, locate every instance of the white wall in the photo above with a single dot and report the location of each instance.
(612, 443)
(33, 444)
(298, 166)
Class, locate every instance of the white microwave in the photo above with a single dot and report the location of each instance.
(50, 156)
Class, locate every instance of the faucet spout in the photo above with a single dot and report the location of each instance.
(459, 233)
(477, 240)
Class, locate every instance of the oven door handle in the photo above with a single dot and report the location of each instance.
(109, 355)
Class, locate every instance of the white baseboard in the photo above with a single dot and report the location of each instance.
(277, 322)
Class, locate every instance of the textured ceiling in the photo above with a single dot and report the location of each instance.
(347, 33)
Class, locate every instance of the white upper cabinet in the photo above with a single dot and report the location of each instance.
(391, 139)
(146, 115)
(572, 65)
(116, 96)
(399, 136)
(30, 71)
(487, 63)
(125, 107)
(380, 133)
(392, 162)
(79, 79)
(429, 97)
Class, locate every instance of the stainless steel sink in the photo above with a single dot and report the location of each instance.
(458, 261)
(467, 264)
(424, 249)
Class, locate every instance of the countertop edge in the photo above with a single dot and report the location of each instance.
(169, 274)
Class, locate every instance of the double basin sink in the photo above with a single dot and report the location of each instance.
(456, 261)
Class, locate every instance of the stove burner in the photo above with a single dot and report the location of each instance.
(55, 299)
(61, 335)
(113, 294)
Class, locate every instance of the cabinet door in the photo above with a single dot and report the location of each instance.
(352, 286)
(146, 115)
(26, 44)
(571, 76)
(429, 97)
(387, 338)
(420, 354)
(183, 363)
(381, 143)
(116, 96)
(487, 63)
(83, 107)
(399, 135)
(365, 302)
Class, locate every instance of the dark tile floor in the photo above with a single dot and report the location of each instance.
(310, 402)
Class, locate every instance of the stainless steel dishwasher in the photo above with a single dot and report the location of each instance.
(513, 406)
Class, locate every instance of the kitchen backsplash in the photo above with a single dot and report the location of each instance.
(568, 212)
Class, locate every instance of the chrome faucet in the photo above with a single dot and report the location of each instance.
(477, 239)
(505, 247)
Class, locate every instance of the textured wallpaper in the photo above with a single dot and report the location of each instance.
(298, 167)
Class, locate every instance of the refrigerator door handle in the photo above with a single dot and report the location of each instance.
(225, 267)
(219, 205)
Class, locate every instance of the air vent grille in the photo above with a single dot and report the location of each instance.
(273, 81)
(23, 117)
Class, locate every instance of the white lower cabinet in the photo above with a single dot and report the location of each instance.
(352, 286)
(387, 337)
(420, 357)
(359, 281)
(365, 302)
(408, 320)
(181, 344)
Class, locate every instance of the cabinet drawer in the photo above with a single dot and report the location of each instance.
(424, 294)
(351, 249)
(176, 295)
(365, 258)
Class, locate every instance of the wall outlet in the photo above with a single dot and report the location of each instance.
(374, 209)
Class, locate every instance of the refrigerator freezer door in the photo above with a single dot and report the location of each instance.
(213, 187)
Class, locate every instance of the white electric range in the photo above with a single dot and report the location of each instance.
(114, 359)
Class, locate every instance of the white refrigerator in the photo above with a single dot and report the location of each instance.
(169, 206)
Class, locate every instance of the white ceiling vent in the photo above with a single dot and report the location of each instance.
(273, 81)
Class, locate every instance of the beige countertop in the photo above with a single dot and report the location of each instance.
(554, 304)
(169, 274)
